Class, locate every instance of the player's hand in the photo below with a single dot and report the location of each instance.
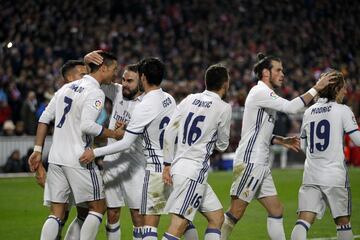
(94, 57)
(40, 175)
(88, 156)
(325, 79)
(34, 161)
(119, 133)
(292, 143)
(166, 175)
(120, 124)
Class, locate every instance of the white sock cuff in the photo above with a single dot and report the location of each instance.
(275, 219)
(344, 227)
(96, 214)
(112, 225)
(58, 220)
(303, 223)
(170, 237)
(149, 231)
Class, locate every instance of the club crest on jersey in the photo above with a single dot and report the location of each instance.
(98, 104)
(273, 95)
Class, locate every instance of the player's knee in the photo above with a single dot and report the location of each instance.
(137, 219)
(217, 220)
(113, 215)
(342, 220)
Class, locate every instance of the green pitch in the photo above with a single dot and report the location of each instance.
(22, 213)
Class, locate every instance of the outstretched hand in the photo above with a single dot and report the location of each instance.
(88, 156)
(292, 143)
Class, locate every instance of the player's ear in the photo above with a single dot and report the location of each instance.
(266, 73)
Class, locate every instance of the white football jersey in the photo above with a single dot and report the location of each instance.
(122, 111)
(261, 106)
(323, 127)
(149, 118)
(75, 108)
(203, 122)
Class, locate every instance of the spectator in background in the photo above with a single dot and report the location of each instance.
(8, 128)
(24, 160)
(28, 111)
(13, 163)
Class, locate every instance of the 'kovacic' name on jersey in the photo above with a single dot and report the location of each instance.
(199, 103)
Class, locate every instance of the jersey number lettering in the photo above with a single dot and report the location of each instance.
(196, 201)
(192, 133)
(67, 108)
(322, 132)
(164, 122)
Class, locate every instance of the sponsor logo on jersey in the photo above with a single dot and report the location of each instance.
(273, 95)
(98, 104)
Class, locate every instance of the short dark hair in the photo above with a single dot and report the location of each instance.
(215, 76)
(153, 69)
(330, 91)
(70, 65)
(132, 67)
(108, 59)
(264, 62)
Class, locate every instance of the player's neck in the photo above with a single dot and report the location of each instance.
(149, 88)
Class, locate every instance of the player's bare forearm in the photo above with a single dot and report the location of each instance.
(116, 134)
(35, 158)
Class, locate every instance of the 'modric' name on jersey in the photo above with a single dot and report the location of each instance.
(75, 108)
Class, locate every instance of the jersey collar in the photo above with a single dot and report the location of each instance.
(92, 80)
(212, 94)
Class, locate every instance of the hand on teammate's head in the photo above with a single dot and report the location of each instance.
(325, 79)
(94, 57)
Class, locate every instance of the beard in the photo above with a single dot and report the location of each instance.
(129, 94)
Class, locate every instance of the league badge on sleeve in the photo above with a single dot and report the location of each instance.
(273, 95)
(98, 104)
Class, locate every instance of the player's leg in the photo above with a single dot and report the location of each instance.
(267, 196)
(113, 229)
(74, 229)
(57, 192)
(302, 225)
(87, 186)
(138, 223)
(185, 199)
(247, 179)
(215, 221)
(154, 197)
(311, 204)
(131, 187)
(343, 228)
(212, 210)
(53, 223)
(191, 232)
(339, 200)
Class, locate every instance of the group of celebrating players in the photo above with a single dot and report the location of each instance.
(157, 157)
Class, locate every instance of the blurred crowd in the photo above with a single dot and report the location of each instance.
(309, 36)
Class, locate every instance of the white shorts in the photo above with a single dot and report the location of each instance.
(123, 187)
(188, 196)
(314, 198)
(154, 194)
(85, 184)
(69, 205)
(252, 181)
